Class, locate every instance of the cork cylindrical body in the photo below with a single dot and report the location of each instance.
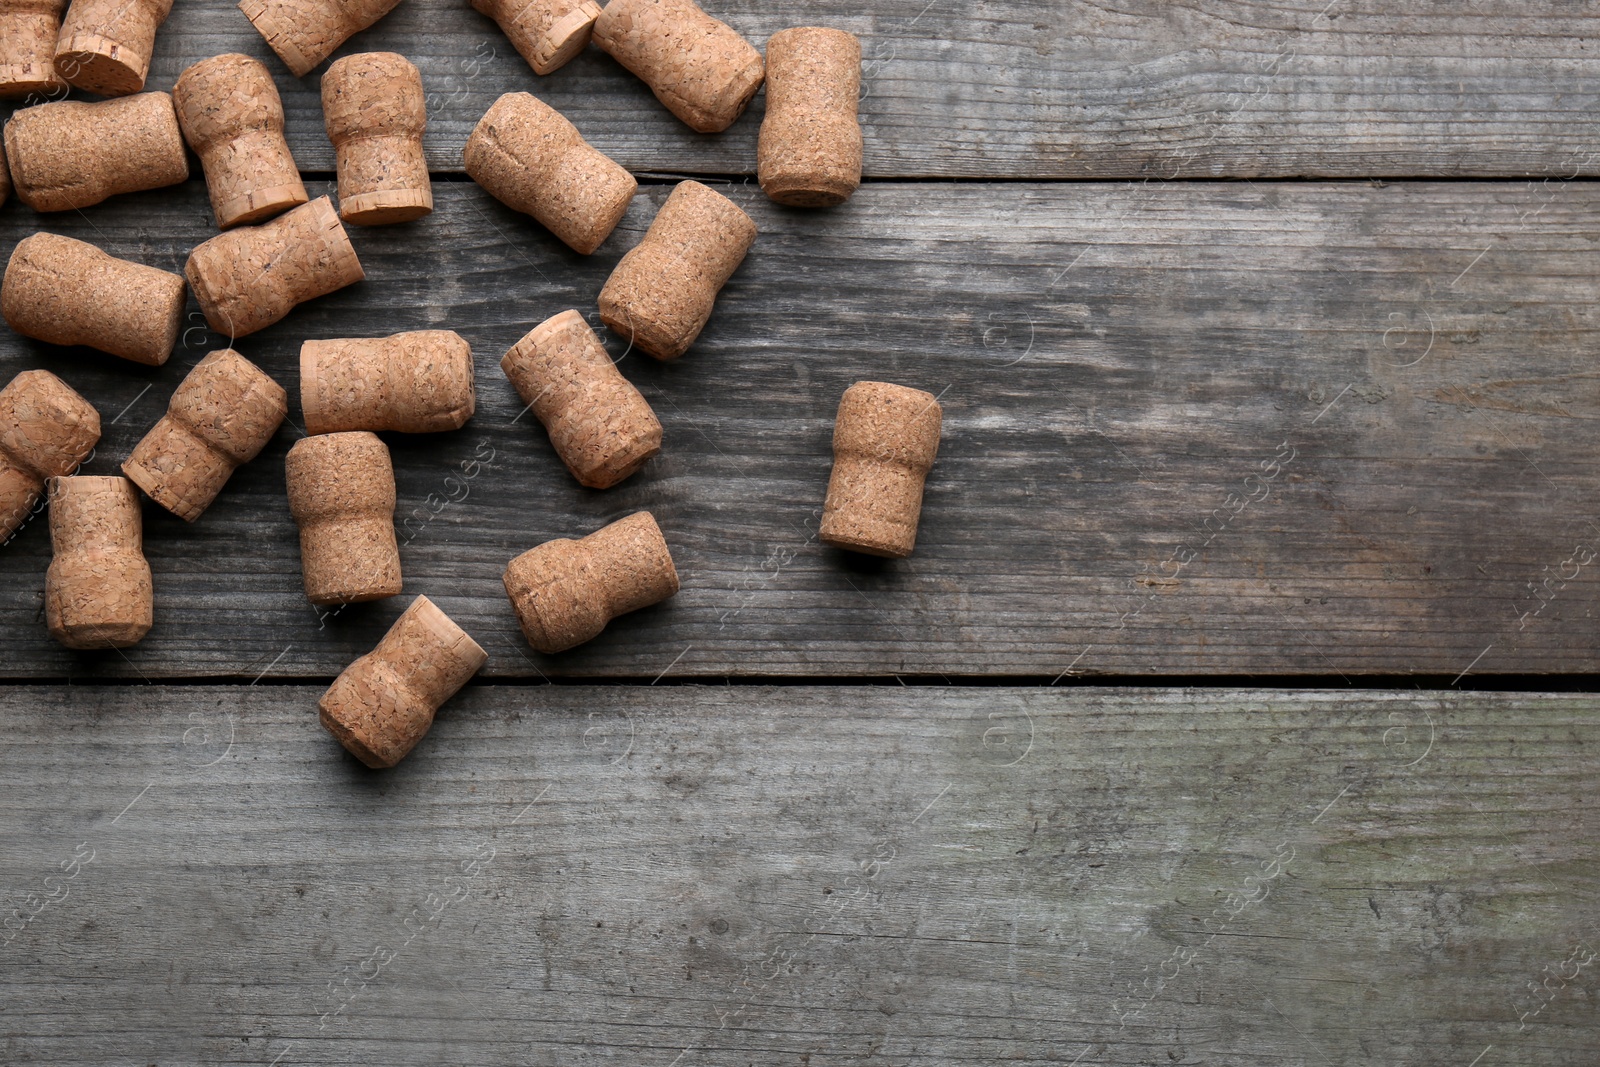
(305, 32)
(700, 68)
(417, 382)
(382, 704)
(548, 33)
(809, 154)
(376, 113)
(662, 292)
(341, 492)
(70, 154)
(884, 443)
(105, 45)
(599, 424)
(68, 292)
(98, 591)
(46, 431)
(28, 31)
(223, 414)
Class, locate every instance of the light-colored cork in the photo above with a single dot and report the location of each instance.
(305, 32)
(98, 591)
(28, 31)
(700, 68)
(68, 292)
(341, 491)
(661, 294)
(222, 416)
(809, 154)
(376, 113)
(46, 431)
(884, 443)
(548, 33)
(565, 591)
(247, 279)
(600, 425)
(105, 45)
(383, 704)
(71, 154)
(418, 382)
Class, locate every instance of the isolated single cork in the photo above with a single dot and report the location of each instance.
(884, 443)
(46, 430)
(341, 491)
(28, 31)
(376, 114)
(565, 591)
(105, 45)
(305, 32)
(418, 382)
(247, 279)
(71, 154)
(600, 425)
(661, 294)
(68, 292)
(548, 33)
(701, 69)
(383, 704)
(223, 414)
(809, 154)
(97, 592)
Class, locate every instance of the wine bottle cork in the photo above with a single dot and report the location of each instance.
(71, 154)
(376, 114)
(565, 591)
(46, 430)
(383, 704)
(68, 292)
(105, 45)
(341, 492)
(884, 443)
(98, 591)
(528, 156)
(232, 116)
(28, 31)
(548, 33)
(809, 154)
(305, 32)
(222, 416)
(599, 424)
(661, 294)
(418, 382)
(247, 279)
(701, 69)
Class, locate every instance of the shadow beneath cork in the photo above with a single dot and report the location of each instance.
(857, 562)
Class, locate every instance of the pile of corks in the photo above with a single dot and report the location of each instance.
(279, 248)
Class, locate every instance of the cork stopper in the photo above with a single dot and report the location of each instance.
(527, 155)
(305, 32)
(97, 592)
(548, 33)
(376, 113)
(662, 292)
(809, 154)
(701, 69)
(105, 45)
(71, 154)
(249, 278)
(884, 443)
(223, 414)
(341, 492)
(600, 425)
(565, 591)
(68, 292)
(384, 702)
(417, 382)
(28, 31)
(46, 430)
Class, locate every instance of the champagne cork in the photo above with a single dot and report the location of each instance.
(809, 154)
(70, 154)
(68, 292)
(231, 114)
(223, 414)
(565, 591)
(97, 592)
(376, 114)
(701, 69)
(383, 704)
(105, 45)
(417, 382)
(884, 442)
(46, 430)
(341, 491)
(548, 33)
(527, 155)
(600, 425)
(305, 32)
(28, 31)
(663, 290)
(249, 278)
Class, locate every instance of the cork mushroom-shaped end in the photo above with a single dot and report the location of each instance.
(547, 33)
(416, 382)
(46, 430)
(98, 590)
(104, 45)
(698, 67)
(72, 154)
(376, 112)
(305, 32)
(884, 443)
(809, 153)
(342, 495)
(28, 31)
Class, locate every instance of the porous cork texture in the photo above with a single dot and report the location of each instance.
(700, 68)
(599, 424)
(68, 292)
(809, 154)
(232, 116)
(418, 382)
(222, 416)
(661, 294)
(305, 32)
(71, 154)
(97, 592)
(46, 431)
(565, 591)
(105, 45)
(884, 443)
(376, 113)
(247, 279)
(383, 704)
(548, 33)
(528, 156)
(341, 492)
(28, 31)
